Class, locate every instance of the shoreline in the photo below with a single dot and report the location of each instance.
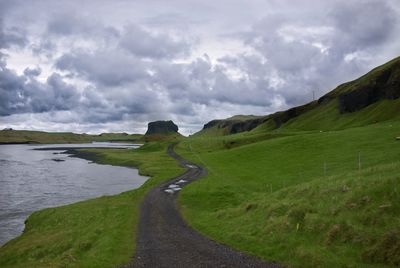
(99, 217)
(19, 142)
(91, 157)
(77, 153)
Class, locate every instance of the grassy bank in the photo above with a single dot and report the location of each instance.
(94, 233)
(40, 137)
(305, 198)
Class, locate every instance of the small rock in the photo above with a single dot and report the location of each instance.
(170, 191)
(191, 166)
(58, 160)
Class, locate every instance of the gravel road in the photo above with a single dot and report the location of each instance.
(166, 240)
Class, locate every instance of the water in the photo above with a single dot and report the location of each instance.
(31, 180)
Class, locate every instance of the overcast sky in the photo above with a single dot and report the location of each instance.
(101, 66)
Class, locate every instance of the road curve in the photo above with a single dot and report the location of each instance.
(165, 240)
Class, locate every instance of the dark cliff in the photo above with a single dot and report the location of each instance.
(161, 127)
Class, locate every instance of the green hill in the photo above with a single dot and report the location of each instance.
(369, 99)
(313, 186)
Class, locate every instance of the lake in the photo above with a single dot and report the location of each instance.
(31, 180)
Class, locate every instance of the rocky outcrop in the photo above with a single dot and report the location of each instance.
(161, 127)
(386, 85)
(235, 126)
(280, 118)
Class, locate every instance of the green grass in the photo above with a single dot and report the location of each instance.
(327, 117)
(274, 199)
(94, 233)
(25, 136)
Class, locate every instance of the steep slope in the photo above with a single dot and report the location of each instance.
(369, 99)
(232, 125)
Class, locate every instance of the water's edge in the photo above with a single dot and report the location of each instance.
(75, 152)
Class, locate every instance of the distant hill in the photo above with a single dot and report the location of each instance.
(372, 98)
(9, 136)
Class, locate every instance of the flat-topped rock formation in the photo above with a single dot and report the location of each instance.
(161, 127)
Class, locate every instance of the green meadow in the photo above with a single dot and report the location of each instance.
(302, 198)
(305, 198)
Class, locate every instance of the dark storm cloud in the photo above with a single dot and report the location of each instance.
(70, 23)
(144, 44)
(364, 23)
(108, 68)
(11, 36)
(82, 27)
(201, 82)
(32, 71)
(24, 94)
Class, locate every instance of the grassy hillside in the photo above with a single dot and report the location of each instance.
(306, 199)
(25, 136)
(374, 97)
(94, 233)
(313, 186)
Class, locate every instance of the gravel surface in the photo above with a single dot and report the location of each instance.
(165, 240)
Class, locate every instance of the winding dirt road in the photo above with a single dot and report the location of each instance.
(165, 240)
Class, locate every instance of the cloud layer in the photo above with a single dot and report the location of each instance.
(112, 66)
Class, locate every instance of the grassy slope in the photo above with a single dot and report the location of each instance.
(327, 117)
(25, 136)
(324, 114)
(94, 233)
(272, 199)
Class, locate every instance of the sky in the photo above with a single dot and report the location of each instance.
(113, 66)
